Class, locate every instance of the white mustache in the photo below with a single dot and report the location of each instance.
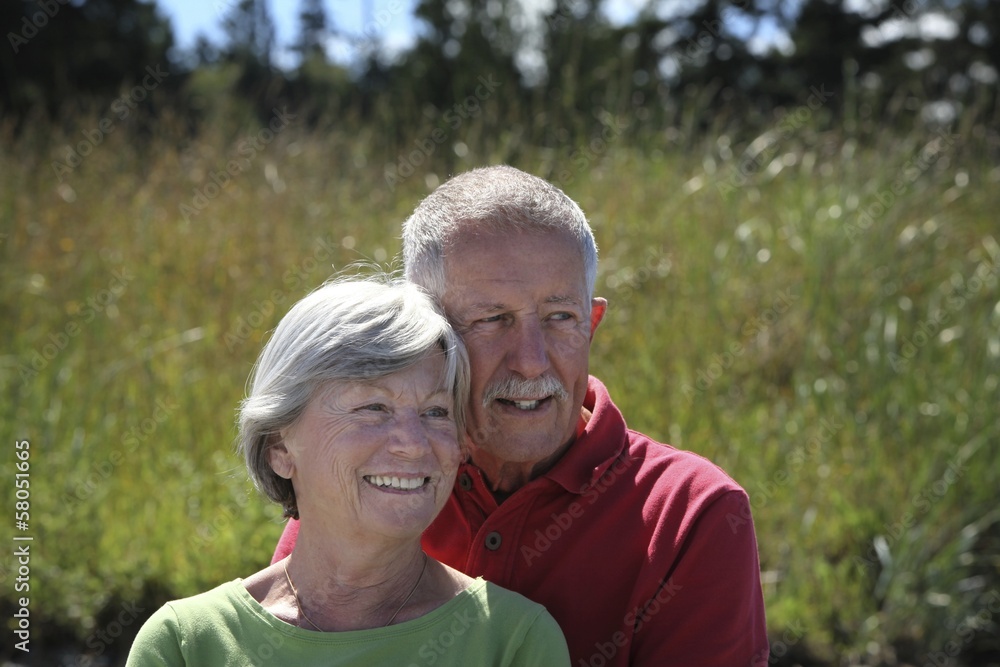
(512, 387)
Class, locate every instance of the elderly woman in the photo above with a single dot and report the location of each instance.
(352, 424)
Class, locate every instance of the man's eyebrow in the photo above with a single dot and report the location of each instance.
(487, 306)
(567, 299)
(498, 306)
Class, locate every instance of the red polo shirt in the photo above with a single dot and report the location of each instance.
(644, 554)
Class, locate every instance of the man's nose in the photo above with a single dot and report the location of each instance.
(528, 356)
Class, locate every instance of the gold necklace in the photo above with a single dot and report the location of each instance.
(302, 610)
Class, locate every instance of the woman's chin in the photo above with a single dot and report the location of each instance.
(403, 517)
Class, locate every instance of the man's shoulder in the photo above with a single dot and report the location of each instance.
(665, 466)
(655, 459)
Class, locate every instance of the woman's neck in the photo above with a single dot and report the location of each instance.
(353, 586)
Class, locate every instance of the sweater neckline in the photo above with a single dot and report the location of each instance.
(240, 595)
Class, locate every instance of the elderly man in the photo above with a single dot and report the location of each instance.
(644, 554)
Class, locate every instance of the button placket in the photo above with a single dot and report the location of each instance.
(465, 481)
(493, 541)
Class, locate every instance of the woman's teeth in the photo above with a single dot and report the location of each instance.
(402, 483)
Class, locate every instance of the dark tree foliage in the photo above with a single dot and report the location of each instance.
(313, 31)
(318, 89)
(250, 43)
(249, 34)
(545, 77)
(59, 54)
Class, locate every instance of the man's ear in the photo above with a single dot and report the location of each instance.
(278, 455)
(463, 445)
(598, 306)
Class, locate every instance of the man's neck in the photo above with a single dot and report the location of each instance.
(505, 477)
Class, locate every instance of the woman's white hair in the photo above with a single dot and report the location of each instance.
(494, 200)
(346, 330)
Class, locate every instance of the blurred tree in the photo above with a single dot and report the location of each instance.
(249, 34)
(825, 37)
(979, 23)
(966, 66)
(249, 47)
(462, 65)
(896, 56)
(559, 70)
(61, 55)
(319, 89)
(313, 31)
(206, 54)
(580, 51)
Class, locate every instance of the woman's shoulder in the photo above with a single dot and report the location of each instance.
(219, 601)
(161, 638)
(496, 602)
(510, 599)
(516, 623)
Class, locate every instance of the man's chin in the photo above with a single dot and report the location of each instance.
(517, 446)
(503, 426)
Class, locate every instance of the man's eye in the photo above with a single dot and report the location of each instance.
(569, 319)
(492, 321)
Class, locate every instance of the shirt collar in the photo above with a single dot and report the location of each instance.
(600, 439)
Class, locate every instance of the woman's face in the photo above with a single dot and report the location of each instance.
(376, 455)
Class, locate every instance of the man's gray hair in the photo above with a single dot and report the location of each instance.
(345, 330)
(495, 200)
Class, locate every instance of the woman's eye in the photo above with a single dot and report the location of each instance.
(374, 407)
(438, 412)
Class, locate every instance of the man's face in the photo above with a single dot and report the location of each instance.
(520, 303)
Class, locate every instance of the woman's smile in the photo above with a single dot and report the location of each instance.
(396, 483)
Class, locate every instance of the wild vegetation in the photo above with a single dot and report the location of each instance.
(801, 256)
(815, 312)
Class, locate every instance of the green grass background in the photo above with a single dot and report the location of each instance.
(844, 369)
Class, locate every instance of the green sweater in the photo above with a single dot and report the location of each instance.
(483, 625)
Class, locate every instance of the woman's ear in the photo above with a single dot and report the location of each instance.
(278, 455)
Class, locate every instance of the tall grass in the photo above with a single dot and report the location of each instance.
(843, 368)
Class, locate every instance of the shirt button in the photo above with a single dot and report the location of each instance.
(465, 482)
(493, 541)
